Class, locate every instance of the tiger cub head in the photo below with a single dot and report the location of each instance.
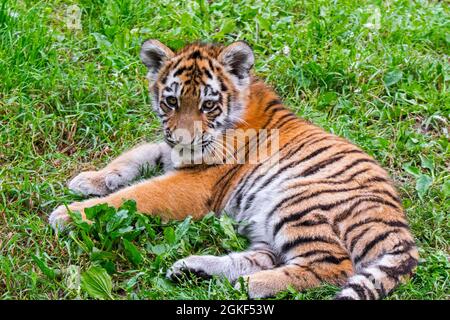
(199, 91)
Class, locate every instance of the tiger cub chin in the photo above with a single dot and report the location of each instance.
(315, 207)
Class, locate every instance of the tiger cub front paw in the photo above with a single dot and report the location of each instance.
(197, 265)
(59, 218)
(97, 183)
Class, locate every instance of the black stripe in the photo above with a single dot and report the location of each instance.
(242, 184)
(300, 214)
(327, 207)
(284, 119)
(389, 194)
(318, 193)
(195, 55)
(315, 274)
(330, 259)
(276, 174)
(351, 165)
(311, 253)
(182, 69)
(272, 103)
(395, 223)
(358, 224)
(270, 117)
(367, 248)
(313, 169)
(376, 179)
(358, 289)
(318, 166)
(224, 187)
(345, 214)
(249, 260)
(208, 73)
(292, 118)
(327, 181)
(223, 87)
(258, 264)
(270, 255)
(175, 65)
(302, 240)
(260, 241)
(357, 237)
(402, 247)
(371, 294)
(305, 143)
(315, 153)
(311, 223)
(220, 180)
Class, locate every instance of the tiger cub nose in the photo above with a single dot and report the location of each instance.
(182, 136)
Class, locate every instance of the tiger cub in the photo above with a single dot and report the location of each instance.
(323, 211)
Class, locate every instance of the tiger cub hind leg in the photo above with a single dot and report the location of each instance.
(307, 270)
(230, 266)
(122, 170)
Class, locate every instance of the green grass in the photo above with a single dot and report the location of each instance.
(71, 100)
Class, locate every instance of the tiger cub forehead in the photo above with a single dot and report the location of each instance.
(195, 71)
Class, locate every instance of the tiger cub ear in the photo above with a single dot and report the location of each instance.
(238, 59)
(153, 54)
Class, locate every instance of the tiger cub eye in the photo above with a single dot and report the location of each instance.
(171, 101)
(208, 105)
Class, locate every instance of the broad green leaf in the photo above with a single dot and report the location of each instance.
(98, 255)
(102, 41)
(392, 77)
(133, 254)
(49, 272)
(109, 265)
(264, 24)
(130, 206)
(169, 235)
(119, 220)
(87, 240)
(121, 232)
(227, 225)
(183, 228)
(92, 212)
(132, 282)
(97, 283)
(426, 163)
(158, 249)
(423, 183)
(228, 26)
(78, 221)
(162, 283)
(411, 170)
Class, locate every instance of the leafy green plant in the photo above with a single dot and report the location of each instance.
(97, 283)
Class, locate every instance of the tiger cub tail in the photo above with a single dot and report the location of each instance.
(386, 259)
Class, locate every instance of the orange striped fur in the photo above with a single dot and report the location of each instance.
(327, 213)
